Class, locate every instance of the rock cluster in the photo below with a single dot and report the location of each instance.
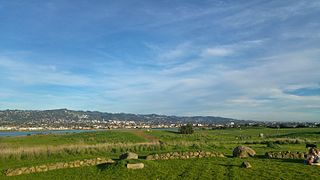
(58, 165)
(243, 151)
(286, 155)
(135, 166)
(183, 155)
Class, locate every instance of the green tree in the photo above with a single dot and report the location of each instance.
(188, 129)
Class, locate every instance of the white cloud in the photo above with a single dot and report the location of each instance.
(216, 52)
(231, 49)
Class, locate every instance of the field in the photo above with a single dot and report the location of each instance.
(40, 149)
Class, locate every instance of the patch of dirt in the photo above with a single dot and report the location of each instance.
(146, 136)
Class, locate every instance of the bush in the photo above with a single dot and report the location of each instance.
(270, 144)
(188, 129)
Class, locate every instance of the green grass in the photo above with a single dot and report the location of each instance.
(71, 138)
(207, 168)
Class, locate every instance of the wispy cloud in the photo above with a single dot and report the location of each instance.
(30, 73)
(213, 52)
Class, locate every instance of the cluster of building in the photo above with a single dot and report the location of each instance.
(117, 124)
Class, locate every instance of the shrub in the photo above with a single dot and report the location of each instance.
(188, 129)
(270, 144)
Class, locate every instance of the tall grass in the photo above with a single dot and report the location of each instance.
(75, 149)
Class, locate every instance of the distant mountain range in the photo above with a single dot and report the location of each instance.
(71, 116)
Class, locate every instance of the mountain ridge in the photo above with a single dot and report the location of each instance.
(66, 115)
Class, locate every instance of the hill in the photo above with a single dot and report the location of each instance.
(72, 116)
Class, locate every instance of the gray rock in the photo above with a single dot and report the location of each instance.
(129, 155)
(135, 166)
(243, 151)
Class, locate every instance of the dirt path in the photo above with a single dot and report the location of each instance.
(146, 136)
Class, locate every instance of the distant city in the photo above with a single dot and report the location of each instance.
(64, 119)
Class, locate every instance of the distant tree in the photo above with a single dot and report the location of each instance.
(188, 129)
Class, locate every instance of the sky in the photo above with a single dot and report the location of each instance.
(256, 60)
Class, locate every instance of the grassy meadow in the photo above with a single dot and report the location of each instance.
(42, 149)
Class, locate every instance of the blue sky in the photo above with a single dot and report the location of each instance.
(242, 59)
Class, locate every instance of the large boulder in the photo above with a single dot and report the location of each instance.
(243, 151)
(135, 166)
(129, 155)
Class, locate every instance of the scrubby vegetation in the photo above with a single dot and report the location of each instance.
(187, 129)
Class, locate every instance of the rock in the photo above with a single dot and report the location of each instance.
(52, 167)
(301, 156)
(220, 155)
(150, 157)
(135, 166)
(59, 165)
(129, 155)
(156, 156)
(32, 169)
(176, 154)
(243, 151)
(246, 165)
(16, 172)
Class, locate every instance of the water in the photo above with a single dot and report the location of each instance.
(28, 133)
(166, 129)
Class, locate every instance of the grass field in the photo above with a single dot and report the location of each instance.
(41, 149)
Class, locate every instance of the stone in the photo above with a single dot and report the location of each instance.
(52, 167)
(12, 172)
(41, 168)
(150, 157)
(220, 155)
(77, 164)
(176, 154)
(156, 156)
(59, 165)
(135, 166)
(301, 156)
(243, 151)
(129, 155)
(246, 165)
(65, 165)
(32, 169)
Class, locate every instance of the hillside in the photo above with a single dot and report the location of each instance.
(71, 116)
